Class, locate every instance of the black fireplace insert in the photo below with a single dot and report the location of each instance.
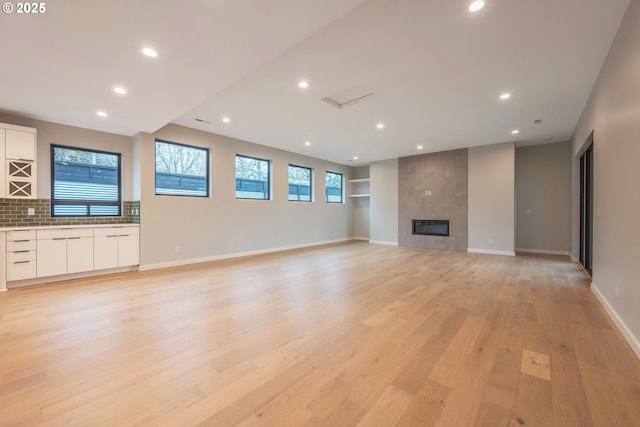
(430, 227)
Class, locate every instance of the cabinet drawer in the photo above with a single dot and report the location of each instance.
(21, 245)
(53, 233)
(21, 270)
(78, 232)
(14, 235)
(106, 231)
(64, 233)
(21, 256)
(115, 231)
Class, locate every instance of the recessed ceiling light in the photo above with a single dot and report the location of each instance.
(303, 84)
(226, 119)
(120, 90)
(505, 96)
(355, 157)
(307, 143)
(420, 147)
(102, 114)
(515, 131)
(476, 6)
(149, 52)
(380, 125)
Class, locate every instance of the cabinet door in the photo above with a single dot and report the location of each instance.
(127, 250)
(79, 254)
(52, 257)
(20, 145)
(105, 253)
(20, 179)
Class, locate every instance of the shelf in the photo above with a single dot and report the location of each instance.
(360, 180)
(359, 195)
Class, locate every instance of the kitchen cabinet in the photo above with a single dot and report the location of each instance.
(116, 247)
(18, 151)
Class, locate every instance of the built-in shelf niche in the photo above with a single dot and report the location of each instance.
(360, 187)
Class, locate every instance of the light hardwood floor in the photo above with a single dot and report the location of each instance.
(354, 335)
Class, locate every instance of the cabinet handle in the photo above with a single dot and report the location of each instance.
(59, 238)
(25, 160)
(124, 235)
(20, 252)
(22, 241)
(21, 262)
(112, 235)
(73, 238)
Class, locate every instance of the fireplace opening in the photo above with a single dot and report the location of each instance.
(431, 227)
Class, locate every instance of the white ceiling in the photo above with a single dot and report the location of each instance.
(436, 70)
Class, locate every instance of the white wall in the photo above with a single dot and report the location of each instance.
(222, 226)
(384, 201)
(613, 114)
(543, 196)
(492, 199)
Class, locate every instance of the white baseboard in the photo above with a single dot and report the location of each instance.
(574, 259)
(383, 242)
(364, 239)
(624, 329)
(188, 261)
(491, 252)
(542, 251)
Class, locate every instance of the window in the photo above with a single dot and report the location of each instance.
(299, 183)
(181, 170)
(253, 178)
(334, 187)
(85, 182)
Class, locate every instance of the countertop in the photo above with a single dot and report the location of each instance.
(50, 227)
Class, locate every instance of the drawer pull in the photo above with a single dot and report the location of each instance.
(73, 238)
(59, 238)
(20, 252)
(112, 235)
(22, 241)
(21, 262)
(124, 235)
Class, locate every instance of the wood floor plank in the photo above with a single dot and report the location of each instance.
(427, 405)
(345, 334)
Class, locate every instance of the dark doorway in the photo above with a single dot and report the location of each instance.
(586, 207)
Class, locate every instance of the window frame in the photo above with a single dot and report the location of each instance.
(326, 195)
(87, 202)
(311, 198)
(208, 169)
(269, 192)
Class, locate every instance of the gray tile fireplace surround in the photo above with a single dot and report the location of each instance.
(445, 176)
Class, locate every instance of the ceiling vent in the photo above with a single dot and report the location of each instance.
(537, 122)
(206, 122)
(348, 97)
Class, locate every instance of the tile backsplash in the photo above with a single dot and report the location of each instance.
(14, 213)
